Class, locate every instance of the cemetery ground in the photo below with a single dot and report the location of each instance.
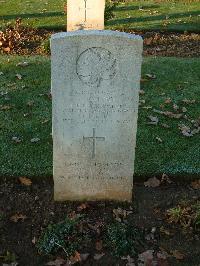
(164, 213)
(162, 225)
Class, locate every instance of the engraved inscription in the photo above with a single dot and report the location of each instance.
(94, 139)
(95, 65)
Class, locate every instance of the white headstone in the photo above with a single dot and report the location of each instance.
(95, 84)
(85, 14)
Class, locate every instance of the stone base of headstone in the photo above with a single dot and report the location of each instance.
(95, 86)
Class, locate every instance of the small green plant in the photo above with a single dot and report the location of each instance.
(123, 239)
(109, 8)
(63, 235)
(181, 215)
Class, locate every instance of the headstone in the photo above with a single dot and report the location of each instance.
(85, 14)
(95, 84)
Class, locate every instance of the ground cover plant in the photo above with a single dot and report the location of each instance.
(129, 15)
(168, 117)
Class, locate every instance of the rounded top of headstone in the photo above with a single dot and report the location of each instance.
(96, 33)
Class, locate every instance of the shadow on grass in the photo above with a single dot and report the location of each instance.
(32, 15)
(127, 8)
(151, 18)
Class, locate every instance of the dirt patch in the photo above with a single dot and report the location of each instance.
(27, 41)
(26, 210)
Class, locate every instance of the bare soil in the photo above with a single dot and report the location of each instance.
(149, 207)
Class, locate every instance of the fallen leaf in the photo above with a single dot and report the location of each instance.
(7, 49)
(168, 100)
(23, 64)
(159, 139)
(19, 76)
(178, 255)
(165, 125)
(185, 130)
(150, 76)
(16, 139)
(98, 256)
(184, 110)
(83, 206)
(57, 262)
(33, 140)
(152, 182)
(188, 101)
(25, 181)
(165, 179)
(5, 107)
(34, 240)
(30, 103)
(146, 257)
(196, 184)
(99, 245)
(165, 231)
(76, 258)
(154, 120)
(16, 217)
(84, 256)
(141, 92)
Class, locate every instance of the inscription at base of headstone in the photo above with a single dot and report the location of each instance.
(95, 86)
(85, 14)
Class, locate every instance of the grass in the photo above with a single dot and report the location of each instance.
(25, 112)
(145, 15)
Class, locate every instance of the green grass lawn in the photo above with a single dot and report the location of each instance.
(146, 15)
(25, 113)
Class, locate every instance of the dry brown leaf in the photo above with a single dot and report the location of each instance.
(25, 181)
(84, 256)
(141, 92)
(152, 182)
(83, 206)
(33, 140)
(187, 101)
(16, 217)
(57, 262)
(150, 76)
(19, 76)
(154, 120)
(178, 255)
(165, 125)
(159, 139)
(16, 139)
(168, 100)
(98, 256)
(5, 107)
(7, 49)
(99, 245)
(23, 64)
(196, 184)
(76, 258)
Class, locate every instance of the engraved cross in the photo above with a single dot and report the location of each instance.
(85, 8)
(94, 140)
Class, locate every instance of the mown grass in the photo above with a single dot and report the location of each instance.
(132, 15)
(29, 117)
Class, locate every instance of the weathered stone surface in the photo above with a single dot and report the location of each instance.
(85, 14)
(95, 84)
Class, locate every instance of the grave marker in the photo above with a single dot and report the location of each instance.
(85, 14)
(95, 85)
